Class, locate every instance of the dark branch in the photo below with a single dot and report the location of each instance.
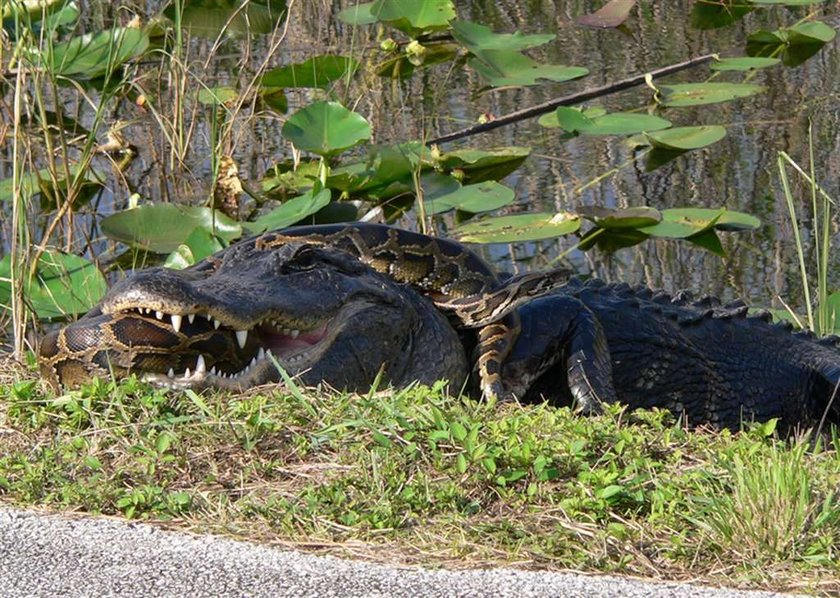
(575, 98)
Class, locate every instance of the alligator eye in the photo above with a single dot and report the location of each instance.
(305, 258)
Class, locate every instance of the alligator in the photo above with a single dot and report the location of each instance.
(350, 305)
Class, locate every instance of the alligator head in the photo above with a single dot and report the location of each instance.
(230, 320)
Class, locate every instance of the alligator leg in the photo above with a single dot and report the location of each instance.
(561, 331)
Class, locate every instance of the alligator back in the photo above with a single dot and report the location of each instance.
(709, 362)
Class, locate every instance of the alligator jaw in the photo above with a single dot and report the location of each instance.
(271, 345)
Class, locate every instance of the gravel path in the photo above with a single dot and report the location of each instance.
(49, 555)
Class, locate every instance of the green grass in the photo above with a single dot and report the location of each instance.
(442, 480)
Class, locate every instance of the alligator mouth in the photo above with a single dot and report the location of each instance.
(252, 354)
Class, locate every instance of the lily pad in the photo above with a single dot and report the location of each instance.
(610, 240)
(721, 13)
(326, 128)
(743, 63)
(64, 284)
(292, 211)
(686, 138)
(215, 96)
(317, 72)
(199, 244)
(680, 223)
(576, 121)
(414, 17)
(626, 218)
(161, 228)
(358, 14)
(480, 197)
(612, 14)
(386, 167)
(209, 18)
(794, 45)
(697, 94)
(508, 67)
(53, 13)
(478, 38)
(93, 55)
(283, 180)
(40, 182)
(519, 227)
(479, 165)
(402, 66)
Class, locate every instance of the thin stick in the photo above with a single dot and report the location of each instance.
(575, 98)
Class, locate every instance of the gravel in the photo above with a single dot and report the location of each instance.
(50, 555)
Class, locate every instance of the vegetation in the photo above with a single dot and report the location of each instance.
(89, 100)
(50, 64)
(436, 479)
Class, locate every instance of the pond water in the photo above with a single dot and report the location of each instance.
(738, 173)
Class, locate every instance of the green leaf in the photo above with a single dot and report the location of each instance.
(358, 14)
(721, 13)
(697, 94)
(199, 244)
(743, 63)
(478, 38)
(294, 210)
(93, 55)
(680, 223)
(480, 165)
(794, 45)
(326, 128)
(316, 72)
(161, 228)
(53, 12)
(386, 167)
(414, 17)
(519, 227)
(214, 96)
(403, 65)
(610, 240)
(833, 305)
(612, 14)
(616, 123)
(64, 284)
(32, 183)
(732, 221)
(686, 138)
(209, 18)
(508, 67)
(613, 218)
(709, 241)
(481, 197)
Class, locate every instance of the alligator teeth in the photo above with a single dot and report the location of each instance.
(295, 333)
(216, 324)
(241, 338)
(159, 315)
(190, 318)
(200, 365)
(171, 373)
(176, 322)
(261, 354)
(208, 316)
(187, 373)
(213, 371)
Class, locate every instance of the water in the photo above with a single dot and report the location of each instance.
(738, 173)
